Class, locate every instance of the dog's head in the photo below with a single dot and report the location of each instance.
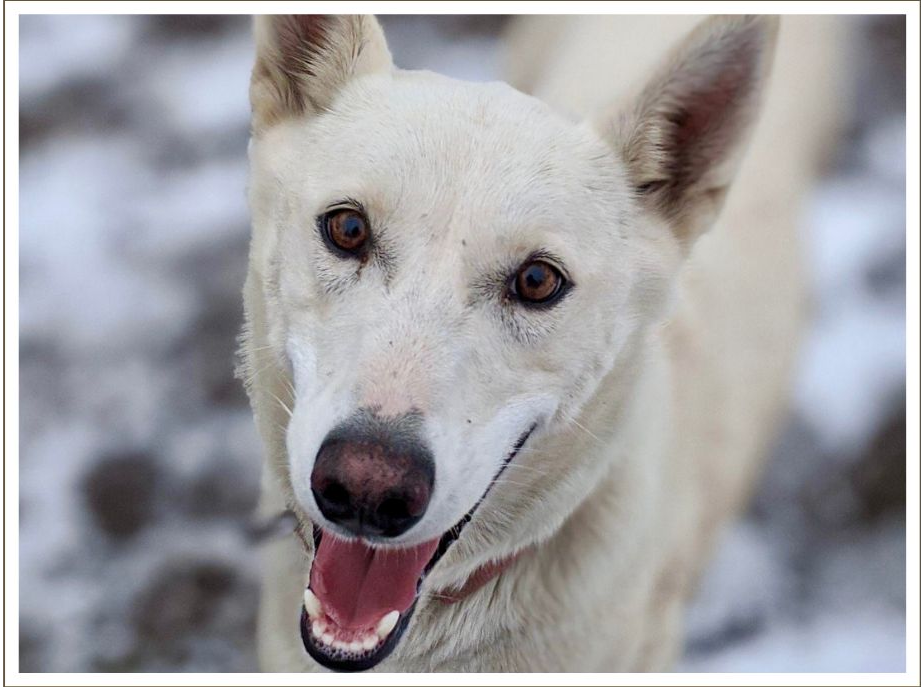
(445, 273)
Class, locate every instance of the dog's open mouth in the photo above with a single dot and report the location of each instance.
(361, 597)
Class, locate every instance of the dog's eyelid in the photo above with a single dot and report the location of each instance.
(552, 259)
(346, 203)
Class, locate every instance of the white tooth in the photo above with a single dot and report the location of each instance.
(369, 643)
(339, 644)
(312, 604)
(387, 623)
(355, 647)
(328, 639)
(318, 627)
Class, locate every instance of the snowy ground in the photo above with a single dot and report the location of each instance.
(139, 460)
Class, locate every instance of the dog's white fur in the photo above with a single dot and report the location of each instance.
(655, 383)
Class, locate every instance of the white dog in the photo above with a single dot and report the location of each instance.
(506, 383)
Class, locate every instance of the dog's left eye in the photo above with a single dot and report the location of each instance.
(346, 230)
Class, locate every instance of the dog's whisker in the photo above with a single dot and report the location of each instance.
(526, 468)
(255, 373)
(292, 392)
(505, 480)
(522, 466)
(282, 404)
(533, 451)
(585, 429)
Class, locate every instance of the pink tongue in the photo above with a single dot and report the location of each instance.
(358, 585)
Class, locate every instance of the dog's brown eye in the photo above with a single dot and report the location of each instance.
(538, 282)
(347, 230)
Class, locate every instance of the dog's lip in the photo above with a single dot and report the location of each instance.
(452, 534)
(379, 653)
(364, 661)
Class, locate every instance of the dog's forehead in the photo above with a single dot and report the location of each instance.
(430, 143)
(421, 116)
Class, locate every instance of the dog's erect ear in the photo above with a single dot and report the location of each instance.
(303, 60)
(682, 137)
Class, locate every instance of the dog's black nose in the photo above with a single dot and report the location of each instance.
(373, 476)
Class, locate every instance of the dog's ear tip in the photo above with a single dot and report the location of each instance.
(743, 30)
(303, 60)
(757, 22)
(768, 25)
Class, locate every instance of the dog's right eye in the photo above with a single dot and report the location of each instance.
(537, 283)
(346, 230)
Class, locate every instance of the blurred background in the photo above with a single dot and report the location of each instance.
(139, 461)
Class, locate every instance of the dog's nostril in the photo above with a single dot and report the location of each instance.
(336, 495)
(394, 510)
(334, 501)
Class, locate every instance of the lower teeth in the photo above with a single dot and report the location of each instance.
(321, 633)
(325, 635)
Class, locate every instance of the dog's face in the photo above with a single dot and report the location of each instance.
(482, 290)
(449, 270)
